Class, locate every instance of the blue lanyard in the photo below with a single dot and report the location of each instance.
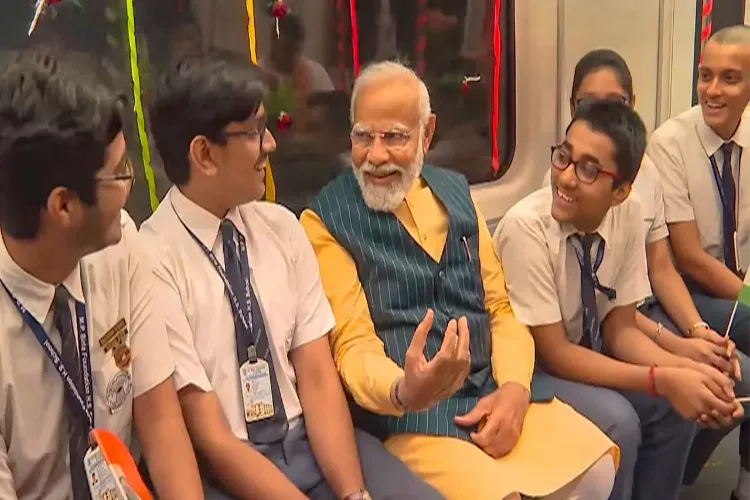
(608, 292)
(720, 186)
(240, 310)
(86, 403)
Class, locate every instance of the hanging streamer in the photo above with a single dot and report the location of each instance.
(355, 36)
(270, 185)
(135, 75)
(706, 15)
(496, 50)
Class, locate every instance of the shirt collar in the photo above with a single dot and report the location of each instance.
(35, 295)
(203, 224)
(604, 230)
(711, 142)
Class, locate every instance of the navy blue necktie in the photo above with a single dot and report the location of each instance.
(273, 429)
(589, 284)
(728, 218)
(78, 425)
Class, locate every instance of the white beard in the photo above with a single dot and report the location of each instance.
(388, 198)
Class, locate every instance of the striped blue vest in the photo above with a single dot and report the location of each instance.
(401, 281)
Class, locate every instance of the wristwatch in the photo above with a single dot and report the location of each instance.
(359, 495)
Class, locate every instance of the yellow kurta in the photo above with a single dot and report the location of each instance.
(556, 445)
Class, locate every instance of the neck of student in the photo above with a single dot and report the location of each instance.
(208, 201)
(587, 226)
(47, 261)
(727, 130)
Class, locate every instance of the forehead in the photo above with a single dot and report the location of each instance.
(584, 141)
(726, 57)
(114, 155)
(601, 82)
(386, 102)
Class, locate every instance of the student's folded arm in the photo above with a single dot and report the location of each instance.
(241, 470)
(7, 486)
(529, 273)
(683, 230)
(620, 333)
(327, 420)
(512, 346)
(359, 354)
(157, 419)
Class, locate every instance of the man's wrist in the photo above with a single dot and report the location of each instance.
(361, 494)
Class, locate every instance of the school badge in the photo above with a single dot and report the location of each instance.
(118, 389)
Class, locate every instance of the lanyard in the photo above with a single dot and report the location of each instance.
(85, 403)
(599, 256)
(243, 313)
(730, 204)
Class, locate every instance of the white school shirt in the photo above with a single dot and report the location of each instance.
(542, 271)
(647, 189)
(200, 323)
(680, 150)
(117, 283)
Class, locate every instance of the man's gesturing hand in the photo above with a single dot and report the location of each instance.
(427, 382)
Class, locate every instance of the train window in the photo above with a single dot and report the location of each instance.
(310, 64)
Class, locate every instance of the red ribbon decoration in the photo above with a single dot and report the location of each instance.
(496, 49)
(355, 36)
(706, 14)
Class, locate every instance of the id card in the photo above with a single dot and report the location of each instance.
(103, 483)
(256, 390)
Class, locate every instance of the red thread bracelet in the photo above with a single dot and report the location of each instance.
(652, 381)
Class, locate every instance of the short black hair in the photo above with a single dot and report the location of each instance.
(291, 27)
(201, 95)
(56, 123)
(603, 59)
(625, 129)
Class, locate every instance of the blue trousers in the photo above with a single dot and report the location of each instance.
(386, 477)
(716, 313)
(654, 440)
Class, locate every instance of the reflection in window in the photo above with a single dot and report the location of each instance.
(309, 70)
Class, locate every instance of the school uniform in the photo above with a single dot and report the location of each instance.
(42, 433)
(694, 166)
(690, 160)
(288, 309)
(546, 270)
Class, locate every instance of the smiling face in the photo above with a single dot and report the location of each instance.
(724, 86)
(388, 141)
(585, 203)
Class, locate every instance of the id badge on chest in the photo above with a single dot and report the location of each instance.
(111, 471)
(257, 396)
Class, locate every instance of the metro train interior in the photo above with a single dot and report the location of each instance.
(499, 74)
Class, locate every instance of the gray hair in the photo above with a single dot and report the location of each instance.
(732, 35)
(386, 70)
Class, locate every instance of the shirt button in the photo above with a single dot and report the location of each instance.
(441, 275)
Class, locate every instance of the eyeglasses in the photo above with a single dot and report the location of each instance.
(128, 175)
(587, 171)
(259, 132)
(392, 139)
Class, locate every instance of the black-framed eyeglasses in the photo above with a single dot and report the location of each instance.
(128, 174)
(257, 133)
(391, 139)
(587, 171)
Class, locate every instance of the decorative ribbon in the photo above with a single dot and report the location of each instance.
(135, 75)
(355, 36)
(270, 185)
(496, 49)
(706, 15)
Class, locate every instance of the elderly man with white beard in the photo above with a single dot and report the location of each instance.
(425, 339)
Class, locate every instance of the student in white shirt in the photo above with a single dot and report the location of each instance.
(703, 162)
(71, 269)
(239, 285)
(576, 269)
(669, 316)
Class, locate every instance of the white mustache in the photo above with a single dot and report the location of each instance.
(381, 170)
